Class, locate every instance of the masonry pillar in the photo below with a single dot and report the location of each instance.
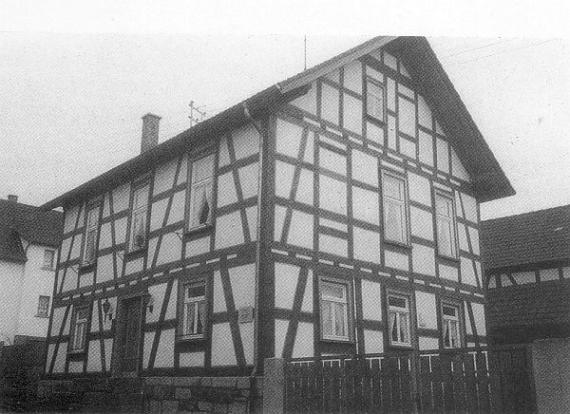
(274, 386)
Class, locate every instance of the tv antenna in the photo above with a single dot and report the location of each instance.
(197, 115)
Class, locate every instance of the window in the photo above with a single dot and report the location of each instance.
(43, 306)
(194, 310)
(399, 320)
(395, 208)
(375, 100)
(138, 219)
(334, 311)
(445, 221)
(80, 324)
(201, 192)
(450, 325)
(91, 232)
(49, 256)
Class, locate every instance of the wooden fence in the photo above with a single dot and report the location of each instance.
(486, 380)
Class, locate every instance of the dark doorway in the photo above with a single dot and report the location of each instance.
(129, 337)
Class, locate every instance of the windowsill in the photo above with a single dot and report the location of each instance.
(200, 229)
(136, 252)
(376, 120)
(76, 352)
(403, 347)
(190, 338)
(337, 340)
(401, 245)
(448, 258)
(42, 316)
(85, 267)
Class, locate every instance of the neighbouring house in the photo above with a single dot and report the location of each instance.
(335, 212)
(29, 241)
(527, 271)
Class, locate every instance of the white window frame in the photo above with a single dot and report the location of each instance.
(80, 327)
(41, 308)
(139, 211)
(91, 226)
(399, 314)
(345, 302)
(450, 221)
(401, 204)
(195, 185)
(447, 321)
(187, 302)
(50, 265)
(369, 94)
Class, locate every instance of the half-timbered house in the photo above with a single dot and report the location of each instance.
(527, 273)
(334, 212)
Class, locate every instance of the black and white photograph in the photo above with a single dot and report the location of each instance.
(292, 207)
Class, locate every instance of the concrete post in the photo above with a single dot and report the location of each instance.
(551, 366)
(274, 386)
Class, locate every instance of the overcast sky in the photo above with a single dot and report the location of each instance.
(71, 103)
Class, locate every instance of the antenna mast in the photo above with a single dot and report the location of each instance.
(200, 115)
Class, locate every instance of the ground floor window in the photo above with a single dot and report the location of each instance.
(194, 310)
(334, 310)
(450, 326)
(80, 327)
(399, 320)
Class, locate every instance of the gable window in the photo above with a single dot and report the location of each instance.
(334, 310)
(49, 256)
(395, 208)
(79, 329)
(374, 100)
(91, 232)
(138, 236)
(201, 192)
(399, 320)
(194, 310)
(445, 221)
(450, 326)
(43, 307)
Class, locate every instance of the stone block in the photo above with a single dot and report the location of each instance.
(169, 407)
(182, 393)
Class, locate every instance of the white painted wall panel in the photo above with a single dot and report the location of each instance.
(352, 113)
(442, 155)
(365, 205)
(371, 300)
(229, 230)
(70, 219)
(332, 194)
(283, 178)
(305, 188)
(353, 76)
(332, 161)
(75, 367)
(421, 223)
(307, 102)
(364, 167)
(94, 357)
(59, 365)
(304, 345)
(396, 260)
(192, 359)
(329, 103)
(467, 272)
(457, 168)
(373, 342)
(165, 350)
(301, 230)
(448, 272)
(407, 148)
(286, 279)
(224, 153)
(157, 292)
(426, 310)
(548, 274)
(479, 315)
(198, 246)
(427, 343)
(406, 117)
(248, 178)
(307, 305)
(170, 249)
(419, 189)
(164, 176)
(177, 208)
(246, 141)
(242, 279)
(470, 206)
(226, 190)
(251, 213)
(474, 234)
(366, 245)
(288, 138)
(247, 339)
(423, 260)
(424, 113)
(280, 332)
(333, 245)
(426, 148)
(375, 133)
(279, 220)
(219, 296)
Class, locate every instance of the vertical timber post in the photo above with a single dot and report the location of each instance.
(274, 386)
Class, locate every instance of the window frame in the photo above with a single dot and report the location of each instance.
(40, 314)
(408, 311)
(458, 319)
(207, 299)
(370, 80)
(134, 210)
(454, 245)
(51, 266)
(96, 207)
(405, 206)
(190, 228)
(85, 321)
(349, 322)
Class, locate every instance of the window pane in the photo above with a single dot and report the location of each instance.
(444, 206)
(340, 320)
(444, 237)
(446, 335)
(397, 302)
(393, 187)
(333, 290)
(454, 334)
(202, 205)
(449, 310)
(394, 222)
(404, 328)
(202, 169)
(92, 217)
(141, 197)
(327, 319)
(201, 319)
(393, 327)
(196, 290)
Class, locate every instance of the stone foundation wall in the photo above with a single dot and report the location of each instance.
(156, 394)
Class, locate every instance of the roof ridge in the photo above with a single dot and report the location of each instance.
(527, 213)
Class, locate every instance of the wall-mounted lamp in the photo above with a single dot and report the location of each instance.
(150, 303)
(108, 309)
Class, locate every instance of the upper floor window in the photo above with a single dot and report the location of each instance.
(139, 219)
(334, 310)
(201, 207)
(91, 233)
(445, 221)
(194, 308)
(79, 329)
(49, 257)
(451, 326)
(399, 320)
(374, 100)
(43, 306)
(395, 208)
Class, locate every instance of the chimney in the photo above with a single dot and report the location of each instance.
(13, 198)
(149, 137)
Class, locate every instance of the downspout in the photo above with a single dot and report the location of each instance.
(247, 114)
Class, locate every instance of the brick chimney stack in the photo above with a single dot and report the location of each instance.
(149, 137)
(13, 198)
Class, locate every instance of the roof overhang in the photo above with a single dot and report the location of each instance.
(489, 180)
